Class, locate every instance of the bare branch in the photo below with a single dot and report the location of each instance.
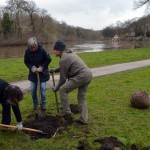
(140, 3)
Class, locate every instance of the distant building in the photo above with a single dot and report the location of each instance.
(116, 38)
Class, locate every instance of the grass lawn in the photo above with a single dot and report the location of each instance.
(14, 69)
(110, 114)
(108, 98)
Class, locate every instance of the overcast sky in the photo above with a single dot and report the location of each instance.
(89, 14)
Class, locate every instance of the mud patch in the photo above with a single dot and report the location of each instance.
(48, 124)
(75, 108)
(83, 145)
(110, 143)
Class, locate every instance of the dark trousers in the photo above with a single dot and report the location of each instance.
(6, 113)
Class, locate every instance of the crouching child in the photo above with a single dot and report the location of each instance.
(9, 97)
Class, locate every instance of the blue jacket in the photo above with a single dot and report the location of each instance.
(38, 58)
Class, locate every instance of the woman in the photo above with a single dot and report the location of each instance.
(37, 59)
(9, 97)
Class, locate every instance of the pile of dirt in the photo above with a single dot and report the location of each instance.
(75, 108)
(110, 143)
(48, 124)
(53, 125)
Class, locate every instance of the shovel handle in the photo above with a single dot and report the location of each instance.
(15, 127)
(55, 92)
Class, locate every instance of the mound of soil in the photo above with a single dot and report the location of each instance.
(110, 143)
(75, 108)
(48, 124)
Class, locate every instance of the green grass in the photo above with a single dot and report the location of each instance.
(109, 57)
(14, 69)
(108, 98)
(110, 114)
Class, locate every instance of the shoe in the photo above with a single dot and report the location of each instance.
(63, 114)
(43, 108)
(35, 107)
(80, 122)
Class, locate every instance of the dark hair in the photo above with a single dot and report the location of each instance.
(13, 94)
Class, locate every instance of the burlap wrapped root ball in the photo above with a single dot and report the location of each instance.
(140, 99)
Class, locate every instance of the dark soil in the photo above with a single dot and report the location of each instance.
(110, 143)
(53, 125)
(48, 124)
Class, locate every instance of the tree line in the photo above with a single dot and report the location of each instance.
(20, 19)
(136, 27)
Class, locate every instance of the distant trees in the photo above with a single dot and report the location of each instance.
(131, 28)
(20, 19)
(108, 32)
(6, 25)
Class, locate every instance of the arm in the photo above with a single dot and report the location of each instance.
(17, 113)
(47, 59)
(63, 75)
(26, 62)
(55, 70)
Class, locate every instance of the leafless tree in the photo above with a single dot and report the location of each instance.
(31, 9)
(15, 9)
(140, 3)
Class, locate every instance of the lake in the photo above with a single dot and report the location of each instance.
(90, 46)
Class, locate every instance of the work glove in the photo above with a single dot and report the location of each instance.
(39, 69)
(20, 125)
(52, 70)
(54, 89)
(34, 69)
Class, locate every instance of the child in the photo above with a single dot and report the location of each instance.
(9, 97)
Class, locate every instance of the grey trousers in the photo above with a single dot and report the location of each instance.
(81, 82)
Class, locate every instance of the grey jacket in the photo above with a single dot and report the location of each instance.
(71, 66)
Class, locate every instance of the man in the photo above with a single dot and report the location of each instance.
(9, 97)
(74, 73)
(37, 60)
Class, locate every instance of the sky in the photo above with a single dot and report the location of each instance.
(89, 14)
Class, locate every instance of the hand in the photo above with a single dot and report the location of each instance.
(52, 70)
(40, 69)
(54, 89)
(34, 69)
(20, 125)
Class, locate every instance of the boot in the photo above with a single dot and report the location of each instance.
(35, 107)
(43, 107)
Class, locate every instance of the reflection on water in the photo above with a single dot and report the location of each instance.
(90, 46)
(87, 47)
(18, 51)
